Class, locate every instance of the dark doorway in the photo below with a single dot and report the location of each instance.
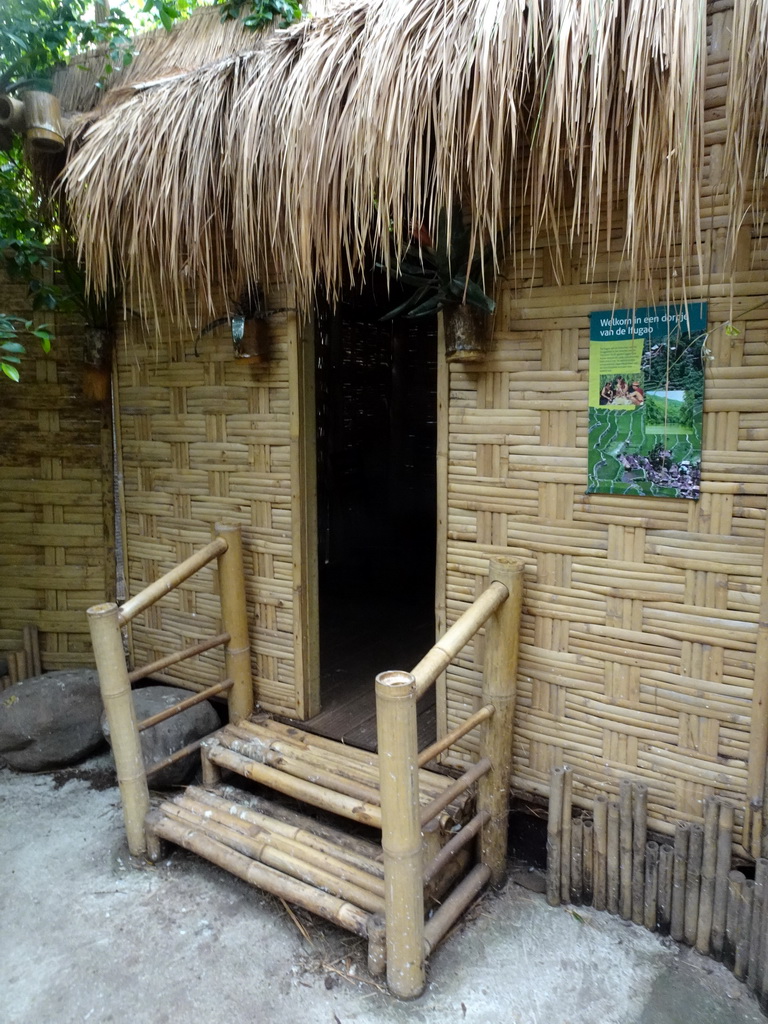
(376, 387)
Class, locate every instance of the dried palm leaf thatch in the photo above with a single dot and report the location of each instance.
(201, 39)
(745, 159)
(341, 136)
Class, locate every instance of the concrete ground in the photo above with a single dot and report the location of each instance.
(86, 937)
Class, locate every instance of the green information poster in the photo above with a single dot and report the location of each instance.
(646, 393)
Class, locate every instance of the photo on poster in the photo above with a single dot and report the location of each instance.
(646, 397)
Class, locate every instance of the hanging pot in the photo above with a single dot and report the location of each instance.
(467, 333)
(42, 115)
(250, 338)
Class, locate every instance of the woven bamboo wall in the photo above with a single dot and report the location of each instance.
(642, 615)
(53, 505)
(206, 437)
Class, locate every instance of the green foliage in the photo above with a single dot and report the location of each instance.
(11, 349)
(258, 14)
(441, 274)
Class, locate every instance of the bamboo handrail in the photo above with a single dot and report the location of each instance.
(184, 705)
(460, 633)
(428, 753)
(172, 579)
(173, 659)
(448, 912)
(461, 785)
(177, 755)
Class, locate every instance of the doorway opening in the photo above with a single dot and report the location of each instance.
(376, 395)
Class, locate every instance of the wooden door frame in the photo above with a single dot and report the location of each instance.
(303, 456)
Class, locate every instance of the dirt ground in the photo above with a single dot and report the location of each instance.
(85, 936)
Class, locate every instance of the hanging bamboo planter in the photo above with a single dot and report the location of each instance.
(42, 116)
(467, 333)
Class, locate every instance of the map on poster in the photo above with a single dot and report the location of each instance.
(646, 393)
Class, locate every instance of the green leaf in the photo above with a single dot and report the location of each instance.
(10, 371)
(12, 346)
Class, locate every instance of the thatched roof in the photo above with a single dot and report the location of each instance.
(303, 153)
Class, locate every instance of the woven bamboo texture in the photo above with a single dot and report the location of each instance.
(206, 437)
(641, 615)
(53, 542)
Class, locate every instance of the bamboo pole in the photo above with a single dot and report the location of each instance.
(473, 774)
(458, 842)
(639, 850)
(576, 887)
(587, 863)
(666, 862)
(554, 836)
(430, 753)
(708, 868)
(401, 832)
(600, 850)
(693, 882)
(165, 584)
(651, 880)
(679, 878)
(183, 705)
(452, 908)
(103, 620)
(173, 659)
(723, 867)
(234, 618)
(744, 930)
(339, 911)
(613, 875)
(736, 881)
(565, 850)
(173, 758)
(377, 945)
(754, 965)
(626, 848)
(32, 649)
(502, 645)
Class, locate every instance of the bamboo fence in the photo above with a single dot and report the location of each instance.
(643, 647)
(56, 531)
(687, 888)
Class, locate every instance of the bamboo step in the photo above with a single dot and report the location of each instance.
(336, 876)
(327, 774)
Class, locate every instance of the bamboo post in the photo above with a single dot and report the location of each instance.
(679, 877)
(708, 867)
(121, 715)
(626, 849)
(651, 880)
(758, 901)
(565, 852)
(692, 882)
(744, 930)
(720, 903)
(666, 862)
(577, 862)
(736, 881)
(639, 850)
(613, 857)
(401, 832)
(502, 643)
(234, 619)
(587, 863)
(555, 836)
(600, 850)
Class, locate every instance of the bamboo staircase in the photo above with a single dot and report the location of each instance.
(433, 841)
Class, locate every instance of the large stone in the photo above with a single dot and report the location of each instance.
(51, 721)
(171, 735)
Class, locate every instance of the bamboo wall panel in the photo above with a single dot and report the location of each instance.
(206, 437)
(53, 506)
(642, 615)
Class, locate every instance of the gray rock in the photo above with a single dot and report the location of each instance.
(51, 721)
(171, 735)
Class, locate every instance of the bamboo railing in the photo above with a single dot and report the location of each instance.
(106, 622)
(409, 940)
